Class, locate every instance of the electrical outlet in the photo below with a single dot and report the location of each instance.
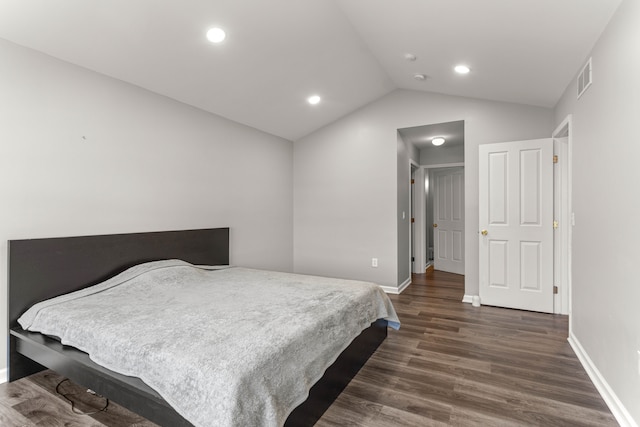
(374, 262)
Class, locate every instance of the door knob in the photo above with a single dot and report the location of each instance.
(484, 232)
(435, 225)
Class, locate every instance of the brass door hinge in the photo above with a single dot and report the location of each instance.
(555, 159)
(413, 181)
(555, 290)
(555, 225)
(413, 220)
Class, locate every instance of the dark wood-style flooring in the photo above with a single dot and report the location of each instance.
(454, 364)
(450, 364)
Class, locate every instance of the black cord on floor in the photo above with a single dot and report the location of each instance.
(73, 404)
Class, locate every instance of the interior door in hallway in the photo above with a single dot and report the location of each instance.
(516, 224)
(448, 215)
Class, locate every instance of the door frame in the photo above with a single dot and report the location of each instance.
(421, 200)
(416, 244)
(434, 173)
(565, 130)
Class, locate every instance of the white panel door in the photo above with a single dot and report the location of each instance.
(516, 224)
(448, 215)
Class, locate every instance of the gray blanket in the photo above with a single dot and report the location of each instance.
(223, 346)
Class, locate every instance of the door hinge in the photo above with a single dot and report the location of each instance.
(555, 159)
(413, 181)
(555, 225)
(413, 220)
(555, 290)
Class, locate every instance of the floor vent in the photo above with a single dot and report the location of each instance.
(584, 78)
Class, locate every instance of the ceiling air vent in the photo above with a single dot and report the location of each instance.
(584, 78)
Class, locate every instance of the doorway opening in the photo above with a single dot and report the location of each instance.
(427, 161)
(526, 264)
(445, 215)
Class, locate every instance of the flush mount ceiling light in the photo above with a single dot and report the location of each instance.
(437, 141)
(216, 35)
(410, 57)
(462, 69)
(313, 99)
(420, 77)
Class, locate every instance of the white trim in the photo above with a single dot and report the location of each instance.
(399, 289)
(467, 299)
(424, 203)
(419, 226)
(404, 285)
(412, 242)
(3, 376)
(416, 202)
(444, 165)
(561, 233)
(565, 128)
(445, 263)
(615, 405)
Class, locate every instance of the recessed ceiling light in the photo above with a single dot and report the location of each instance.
(313, 100)
(437, 141)
(410, 57)
(216, 35)
(462, 69)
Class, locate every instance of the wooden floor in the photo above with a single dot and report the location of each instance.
(450, 364)
(454, 364)
(33, 401)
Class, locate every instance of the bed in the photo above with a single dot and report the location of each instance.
(41, 269)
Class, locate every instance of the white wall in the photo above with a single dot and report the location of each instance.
(605, 318)
(81, 153)
(343, 215)
(414, 152)
(441, 155)
(347, 186)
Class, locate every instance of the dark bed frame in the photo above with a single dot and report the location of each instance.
(40, 269)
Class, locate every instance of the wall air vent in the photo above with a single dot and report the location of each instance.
(584, 78)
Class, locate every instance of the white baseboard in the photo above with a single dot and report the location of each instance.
(390, 289)
(404, 286)
(3, 376)
(467, 298)
(617, 408)
(399, 289)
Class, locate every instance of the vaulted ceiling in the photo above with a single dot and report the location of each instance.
(350, 52)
